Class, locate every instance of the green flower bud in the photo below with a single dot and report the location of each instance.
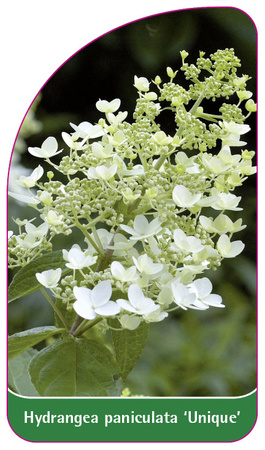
(157, 80)
(183, 55)
(251, 106)
(171, 73)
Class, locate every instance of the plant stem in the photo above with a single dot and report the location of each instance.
(77, 323)
(98, 241)
(162, 158)
(80, 330)
(56, 310)
(84, 231)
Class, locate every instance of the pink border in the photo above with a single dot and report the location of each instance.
(108, 32)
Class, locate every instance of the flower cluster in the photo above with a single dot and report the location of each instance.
(152, 207)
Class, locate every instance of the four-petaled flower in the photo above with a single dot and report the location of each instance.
(102, 152)
(196, 295)
(221, 201)
(103, 172)
(137, 303)
(182, 296)
(122, 274)
(34, 236)
(146, 265)
(141, 83)
(229, 249)
(142, 229)
(227, 201)
(186, 243)
(39, 231)
(85, 130)
(234, 131)
(48, 149)
(53, 218)
(202, 288)
(77, 259)
(92, 302)
(161, 138)
(49, 278)
(221, 225)
(72, 141)
(184, 198)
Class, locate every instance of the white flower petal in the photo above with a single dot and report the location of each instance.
(206, 223)
(92, 173)
(128, 230)
(214, 300)
(236, 248)
(182, 296)
(84, 310)
(83, 305)
(76, 258)
(135, 295)
(117, 269)
(154, 227)
(183, 197)
(140, 224)
(110, 309)
(125, 304)
(49, 278)
(142, 304)
(30, 200)
(148, 307)
(198, 304)
(130, 274)
(82, 294)
(203, 287)
(223, 245)
(101, 293)
(48, 148)
(50, 145)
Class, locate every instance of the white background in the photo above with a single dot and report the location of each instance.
(36, 38)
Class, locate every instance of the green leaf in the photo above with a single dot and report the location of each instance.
(19, 342)
(18, 375)
(75, 367)
(25, 281)
(128, 346)
(68, 313)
